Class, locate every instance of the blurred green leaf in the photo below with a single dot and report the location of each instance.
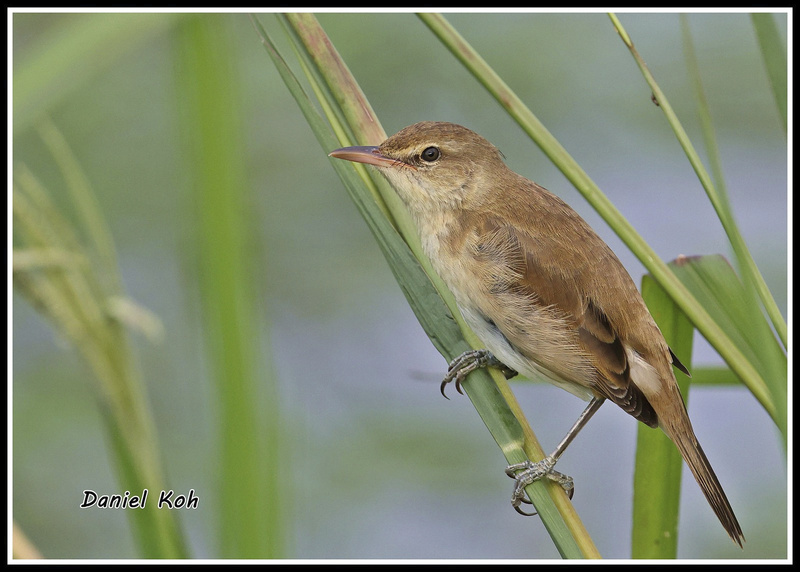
(75, 49)
(714, 375)
(719, 195)
(715, 284)
(251, 523)
(774, 54)
(658, 465)
(59, 274)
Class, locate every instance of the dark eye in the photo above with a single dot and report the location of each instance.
(430, 154)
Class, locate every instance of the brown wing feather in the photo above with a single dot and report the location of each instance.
(558, 290)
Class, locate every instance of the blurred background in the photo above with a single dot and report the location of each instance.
(373, 462)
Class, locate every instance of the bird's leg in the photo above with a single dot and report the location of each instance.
(530, 472)
(468, 362)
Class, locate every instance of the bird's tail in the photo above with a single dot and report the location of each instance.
(681, 432)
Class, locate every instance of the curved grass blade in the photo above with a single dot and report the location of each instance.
(718, 194)
(553, 149)
(766, 386)
(428, 304)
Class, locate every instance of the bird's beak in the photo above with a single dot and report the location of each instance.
(369, 155)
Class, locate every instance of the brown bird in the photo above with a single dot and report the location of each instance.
(543, 292)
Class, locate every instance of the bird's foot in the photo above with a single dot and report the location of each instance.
(468, 362)
(530, 472)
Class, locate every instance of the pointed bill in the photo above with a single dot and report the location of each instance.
(369, 155)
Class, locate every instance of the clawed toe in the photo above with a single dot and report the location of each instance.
(528, 472)
(468, 362)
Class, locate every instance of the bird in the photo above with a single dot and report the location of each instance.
(542, 291)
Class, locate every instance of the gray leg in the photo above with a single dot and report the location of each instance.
(531, 472)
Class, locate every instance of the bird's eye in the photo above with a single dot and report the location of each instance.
(430, 154)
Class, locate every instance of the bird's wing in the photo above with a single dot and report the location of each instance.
(557, 302)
